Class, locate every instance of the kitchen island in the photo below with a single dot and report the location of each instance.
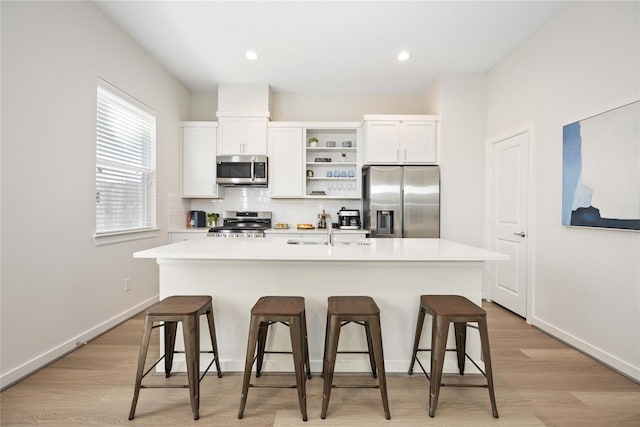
(395, 272)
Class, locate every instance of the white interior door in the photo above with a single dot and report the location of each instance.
(509, 225)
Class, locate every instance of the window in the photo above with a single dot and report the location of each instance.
(125, 164)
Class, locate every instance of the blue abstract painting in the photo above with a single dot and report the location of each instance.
(601, 170)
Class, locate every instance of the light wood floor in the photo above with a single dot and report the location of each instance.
(539, 381)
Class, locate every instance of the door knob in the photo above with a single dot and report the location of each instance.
(521, 234)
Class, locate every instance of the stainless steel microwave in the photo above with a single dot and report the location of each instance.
(242, 170)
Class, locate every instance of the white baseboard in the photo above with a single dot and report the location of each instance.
(22, 371)
(608, 359)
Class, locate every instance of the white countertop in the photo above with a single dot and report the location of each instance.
(276, 248)
(313, 232)
(276, 231)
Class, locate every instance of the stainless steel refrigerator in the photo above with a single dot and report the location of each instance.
(401, 201)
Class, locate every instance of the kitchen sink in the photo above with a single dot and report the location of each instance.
(359, 242)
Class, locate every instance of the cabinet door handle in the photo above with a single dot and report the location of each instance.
(521, 234)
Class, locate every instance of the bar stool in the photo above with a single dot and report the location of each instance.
(447, 309)
(288, 311)
(362, 310)
(170, 311)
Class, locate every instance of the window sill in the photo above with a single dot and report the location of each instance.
(124, 236)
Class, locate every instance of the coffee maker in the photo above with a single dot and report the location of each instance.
(349, 219)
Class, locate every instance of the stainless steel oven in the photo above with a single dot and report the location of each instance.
(242, 170)
(242, 224)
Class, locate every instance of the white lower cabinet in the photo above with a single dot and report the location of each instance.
(317, 234)
(199, 160)
(179, 236)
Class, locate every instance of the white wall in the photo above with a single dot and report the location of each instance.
(587, 281)
(342, 107)
(462, 102)
(285, 107)
(57, 286)
(204, 106)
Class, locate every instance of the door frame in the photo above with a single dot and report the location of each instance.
(526, 127)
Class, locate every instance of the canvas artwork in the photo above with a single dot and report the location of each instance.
(601, 170)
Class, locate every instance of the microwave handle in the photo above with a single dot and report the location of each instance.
(253, 170)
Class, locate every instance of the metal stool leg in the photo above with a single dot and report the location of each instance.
(191, 332)
(440, 332)
(330, 363)
(254, 330)
(262, 342)
(460, 329)
(372, 359)
(214, 342)
(170, 329)
(142, 357)
(379, 357)
(305, 345)
(486, 355)
(416, 340)
(297, 344)
(326, 343)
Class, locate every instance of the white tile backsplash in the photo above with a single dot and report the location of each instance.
(291, 211)
(177, 208)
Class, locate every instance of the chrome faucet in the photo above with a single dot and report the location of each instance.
(329, 235)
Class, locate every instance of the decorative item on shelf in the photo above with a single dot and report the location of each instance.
(331, 144)
(212, 219)
(347, 143)
(322, 219)
(329, 174)
(322, 160)
(336, 173)
(309, 173)
(352, 173)
(313, 141)
(343, 157)
(343, 174)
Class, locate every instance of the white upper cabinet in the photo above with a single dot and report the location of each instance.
(242, 135)
(199, 159)
(382, 141)
(286, 176)
(401, 139)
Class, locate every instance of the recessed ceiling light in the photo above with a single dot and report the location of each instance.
(403, 56)
(251, 54)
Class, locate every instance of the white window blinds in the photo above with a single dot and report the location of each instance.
(125, 163)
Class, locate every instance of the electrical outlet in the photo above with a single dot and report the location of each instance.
(128, 284)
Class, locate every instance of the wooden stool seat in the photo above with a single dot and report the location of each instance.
(171, 311)
(451, 306)
(278, 306)
(447, 309)
(362, 310)
(352, 306)
(289, 311)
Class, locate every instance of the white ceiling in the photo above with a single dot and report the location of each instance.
(328, 46)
